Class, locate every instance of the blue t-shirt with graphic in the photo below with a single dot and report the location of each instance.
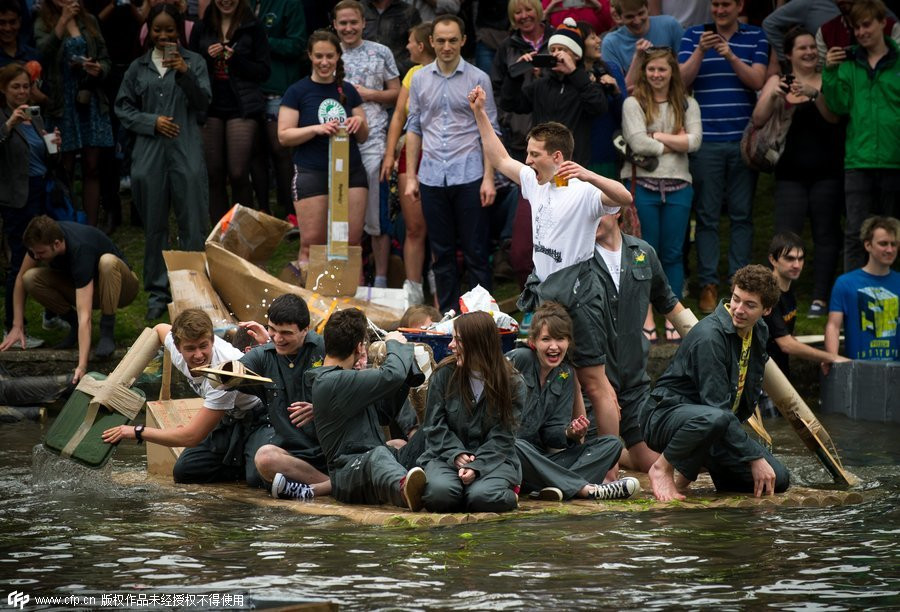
(871, 307)
(318, 103)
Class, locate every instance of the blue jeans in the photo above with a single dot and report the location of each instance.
(484, 57)
(720, 175)
(663, 225)
(454, 217)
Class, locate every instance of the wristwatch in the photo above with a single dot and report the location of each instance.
(815, 95)
(139, 433)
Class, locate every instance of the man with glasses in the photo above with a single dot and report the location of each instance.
(455, 180)
(626, 45)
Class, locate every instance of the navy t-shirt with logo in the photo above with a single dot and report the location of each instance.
(318, 103)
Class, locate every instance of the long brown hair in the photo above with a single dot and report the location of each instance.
(213, 18)
(50, 14)
(328, 36)
(677, 97)
(479, 344)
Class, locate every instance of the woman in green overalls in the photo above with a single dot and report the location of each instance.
(474, 399)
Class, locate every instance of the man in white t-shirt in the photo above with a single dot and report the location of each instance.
(223, 437)
(567, 202)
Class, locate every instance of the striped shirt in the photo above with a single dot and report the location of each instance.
(725, 102)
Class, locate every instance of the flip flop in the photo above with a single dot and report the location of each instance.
(650, 334)
(672, 335)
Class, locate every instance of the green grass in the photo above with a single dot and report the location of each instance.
(130, 320)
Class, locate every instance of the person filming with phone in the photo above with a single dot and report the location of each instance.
(564, 93)
(25, 153)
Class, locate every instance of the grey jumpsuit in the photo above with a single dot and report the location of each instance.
(451, 427)
(363, 469)
(642, 282)
(166, 169)
(689, 418)
(548, 457)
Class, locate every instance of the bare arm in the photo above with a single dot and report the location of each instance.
(395, 131)
(17, 332)
(289, 135)
(614, 192)
(413, 146)
(791, 346)
(833, 331)
(494, 151)
(162, 330)
(765, 104)
(84, 301)
(385, 97)
(189, 435)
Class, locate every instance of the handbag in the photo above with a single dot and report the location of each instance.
(761, 147)
(647, 162)
(59, 203)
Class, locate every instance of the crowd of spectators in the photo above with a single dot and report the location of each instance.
(198, 105)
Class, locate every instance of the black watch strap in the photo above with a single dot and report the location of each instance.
(139, 433)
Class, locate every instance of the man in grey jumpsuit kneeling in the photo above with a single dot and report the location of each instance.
(695, 411)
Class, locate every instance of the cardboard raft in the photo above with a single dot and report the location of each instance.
(171, 413)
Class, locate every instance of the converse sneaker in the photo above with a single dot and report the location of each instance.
(285, 488)
(411, 488)
(617, 489)
(550, 494)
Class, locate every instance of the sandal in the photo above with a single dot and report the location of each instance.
(672, 335)
(650, 333)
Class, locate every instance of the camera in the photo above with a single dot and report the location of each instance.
(33, 111)
(544, 60)
(709, 27)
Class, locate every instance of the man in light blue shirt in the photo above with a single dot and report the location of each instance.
(626, 45)
(455, 181)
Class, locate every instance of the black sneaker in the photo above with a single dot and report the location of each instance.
(285, 488)
(617, 489)
(411, 488)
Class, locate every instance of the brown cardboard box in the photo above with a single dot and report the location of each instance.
(190, 287)
(250, 233)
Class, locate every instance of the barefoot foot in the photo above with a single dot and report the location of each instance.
(662, 481)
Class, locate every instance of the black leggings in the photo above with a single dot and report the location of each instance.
(228, 144)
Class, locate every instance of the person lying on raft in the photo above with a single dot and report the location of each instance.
(712, 385)
(293, 456)
(474, 399)
(556, 462)
(363, 468)
(222, 438)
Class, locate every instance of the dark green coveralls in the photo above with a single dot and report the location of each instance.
(451, 427)
(363, 469)
(623, 311)
(689, 417)
(287, 387)
(167, 170)
(548, 457)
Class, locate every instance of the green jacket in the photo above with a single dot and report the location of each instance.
(705, 368)
(548, 409)
(451, 427)
(288, 386)
(53, 55)
(345, 403)
(285, 25)
(872, 100)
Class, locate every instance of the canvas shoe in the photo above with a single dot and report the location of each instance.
(411, 488)
(617, 489)
(550, 494)
(285, 488)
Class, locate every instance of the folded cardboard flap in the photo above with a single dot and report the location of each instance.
(190, 287)
(249, 233)
(247, 291)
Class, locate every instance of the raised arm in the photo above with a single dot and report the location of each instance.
(494, 151)
(615, 192)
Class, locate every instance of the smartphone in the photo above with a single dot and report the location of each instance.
(170, 51)
(33, 111)
(544, 60)
(709, 27)
(79, 59)
(848, 51)
(788, 79)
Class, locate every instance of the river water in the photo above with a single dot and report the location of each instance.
(70, 532)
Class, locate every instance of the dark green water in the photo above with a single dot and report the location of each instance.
(66, 531)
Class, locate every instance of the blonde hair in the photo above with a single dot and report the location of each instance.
(534, 5)
(677, 98)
